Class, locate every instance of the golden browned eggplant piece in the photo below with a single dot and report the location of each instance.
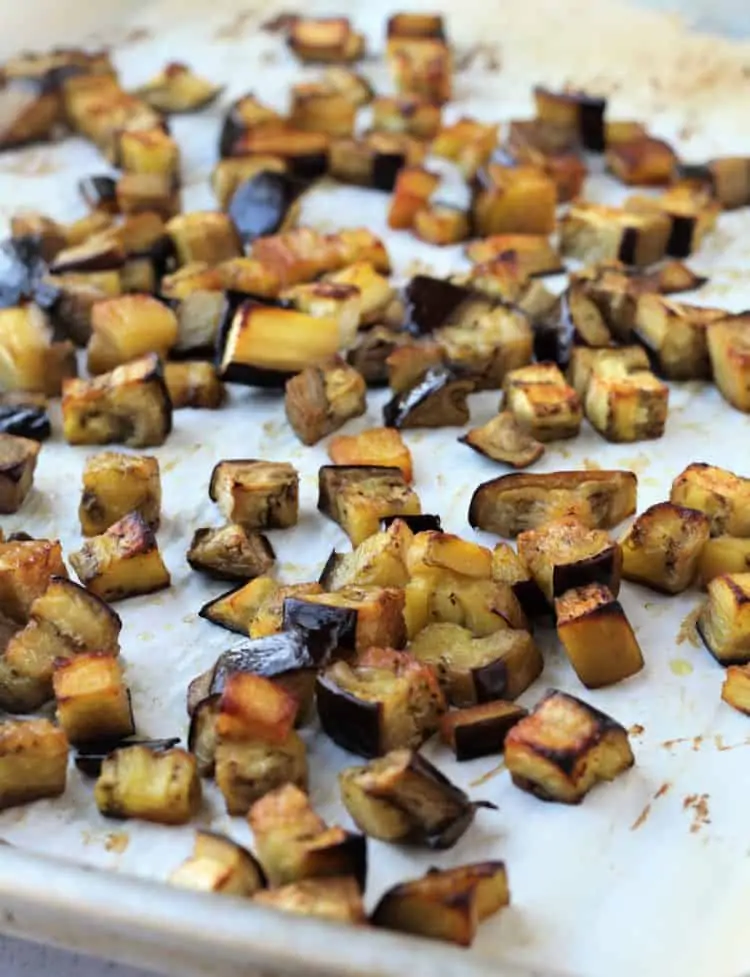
(480, 730)
(136, 782)
(256, 494)
(722, 495)
(593, 232)
(293, 843)
(178, 89)
(597, 636)
(408, 364)
(736, 688)
(564, 553)
(723, 554)
(584, 361)
(130, 405)
(361, 617)
(229, 174)
(663, 547)
(378, 561)
(33, 761)
(127, 327)
(438, 399)
(375, 159)
(328, 39)
(148, 151)
(729, 350)
(532, 253)
(93, 702)
(509, 568)
(316, 107)
(421, 65)
(467, 142)
(724, 621)
(25, 338)
(323, 398)
(676, 334)
(376, 447)
(336, 899)
(356, 87)
(445, 904)
(244, 115)
(114, 485)
(645, 161)
(503, 439)
(204, 236)
(441, 224)
(17, 464)
(542, 402)
(384, 701)
(514, 200)
(727, 178)
(230, 553)
(501, 665)
(31, 110)
(564, 747)
(218, 864)
(255, 608)
(412, 115)
(412, 190)
(124, 561)
(550, 147)
(692, 211)
(141, 193)
(577, 115)
(402, 797)
(358, 496)
(626, 405)
(512, 503)
(196, 294)
(194, 384)
(26, 568)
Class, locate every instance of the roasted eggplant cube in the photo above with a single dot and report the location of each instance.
(512, 503)
(178, 89)
(468, 143)
(204, 236)
(531, 254)
(408, 114)
(509, 568)
(723, 554)
(565, 553)
(318, 108)
(323, 398)
(93, 703)
(676, 334)
(412, 190)
(338, 899)
(384, 701)
(724, 621)
(256, 494)
(142, 193)
(130, 405)
(597, 636)
(642, 162)
(150, 151)
(501, 665)
(24, 342)
(293, 843)
(722, 495)
(584, 361)
(403, 797)
(576, 114)
(363, 616)
(26, 568)
(127, 327)
(421, 66)
(514, 200)
(735, 690)
(17, 464)
(442, 596)
(33, 761)
(327, 40)
(137, 782)
(480, 730)
(438, 399)
(358, 496)
(542, 402)
(230, 553)
(248, 769)
(218, 864)
(624, 405)
(124, 561)
(487, 342)
(375, 447)
(329, 300)
(356, 87)
(441, 224)
(255, 608)
(593, 232)
(378, 561)
(229, 174)
(408, 364)
(116, 484)
(445, 904)
(194, 384)
(692, 211)
(663, 547)
(729, 350)
(504, 440)
(564, 747)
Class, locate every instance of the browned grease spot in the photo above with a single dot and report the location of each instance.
(688, 629)
(698, 804)
(279, 24)
(668, 744)
(489, 775)
(232, 30)
(643, 816)
(636, 730)
(117, 841)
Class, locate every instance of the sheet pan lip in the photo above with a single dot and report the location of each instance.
(156, 917)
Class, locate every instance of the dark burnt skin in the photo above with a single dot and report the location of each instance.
(437, 400)
(99, 193)
(26, 421)
(681, 236)
(99, 256)
(333, 478)
(430, 302)
(345, 857)
(88, 759)
(352, 723)
(206, 612)
(370, 354)
(603, 568)
(417, 524)
(481, 731)
(22, 272)
(628, 246)
(327, 629)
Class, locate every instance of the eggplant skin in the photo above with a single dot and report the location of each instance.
(26, 421)
(325, 627)
(418, 524)
(89, 758)
(430, 302)
(437, 400)
(352, 723)
(260, 205)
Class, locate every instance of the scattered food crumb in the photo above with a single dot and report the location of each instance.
(488, 776)
(688, 629)
(117, 841)
(643, 816)
(698, 804)
(636, 730)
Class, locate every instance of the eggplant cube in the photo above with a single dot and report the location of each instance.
(576, 115)
(514, 200)
(146, 193)
(597, 636)
(410, 114)
(116, 484)
(130, 406)
(204, 236)
(438, 399)
(421, 66)
(564, 747)
(218, 864)
(503, 439)
(729, 350)
(357, 497)
(445, 904)
(677, 335)
(378, 561)
(26, 569)
(24, 343)
(230, 553)
(376, 447)
(736, 688)
(663, 547)
(625, 406)
(149, 151)
(17, 464)
(318, 108)
(723, 554)
(256, 494)
(124, 561)
(337, 899)
(542, 402)
(323, 398)
(137, 782)
(722, 495)
(93, 703)
(33, 761)
(480, 730)
(246, 770)
(364, 616)
(593, 232)
(326, 39)
(127, 327)
(645, 161)
(724, 621)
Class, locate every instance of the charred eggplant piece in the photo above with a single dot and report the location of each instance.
(256, 494)
(33, 761)
(264, 204)
(574, 320)
(593, 232)
(304, 154)
(384, 701)
(512, 503)
(729, 351)
(437, 400)
(17, 464)
(25, 420)
(375, 447)
(445, 904)
(230, 553)
(218, 864)
(663, 547)
(479, 731)
(724, 621)
(136, 782)
(722, 495)
(402, 797)
(357, 497)
(203, 236)
(576, 113)
(408, 364)
(564, 747)
(503, 439)
(356, 617)
(177, 89)
(316, 107)
(322, 399)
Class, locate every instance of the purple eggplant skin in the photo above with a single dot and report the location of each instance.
(397, 412)
(23, 270)
(532, 600)
(430, 302)
(99, 193)
(369, 356)
(604, 568)
(201, 741)
(260, 204)
(593, 132)
(385, 170)
(327, 630)
(418, 524)
(333, 478)
(25, 421)
(628, 246)
(109, 257)
(353, 724)
(681, 236)
(485, 736)
(88, 759)
(205, 611)
(555, 334)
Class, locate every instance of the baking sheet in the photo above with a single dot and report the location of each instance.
(649, 874)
